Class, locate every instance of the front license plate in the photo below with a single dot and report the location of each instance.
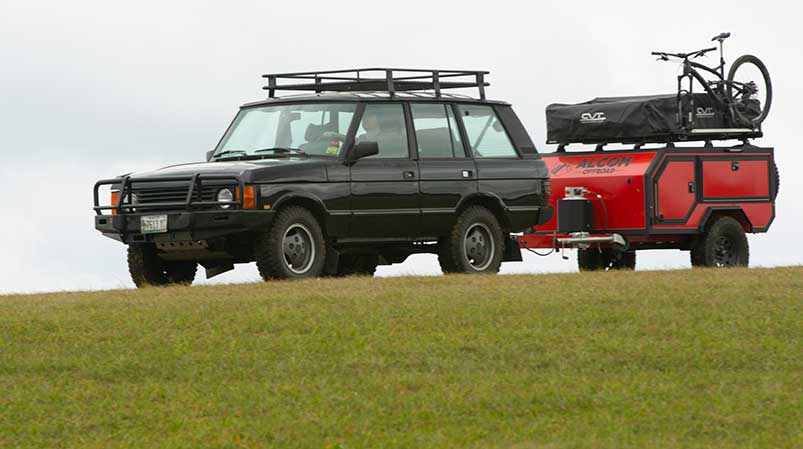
(153, 224)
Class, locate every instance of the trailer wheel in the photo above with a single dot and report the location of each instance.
(147, 269)
(596, 259)
(475, 245)
(292, 248)
(724, 244)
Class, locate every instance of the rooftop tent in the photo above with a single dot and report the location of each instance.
(652, 118)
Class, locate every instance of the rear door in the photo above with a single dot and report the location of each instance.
(447, 174)
(384, 187)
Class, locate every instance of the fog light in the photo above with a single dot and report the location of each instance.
(223, 196)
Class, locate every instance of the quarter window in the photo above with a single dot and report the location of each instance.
(486, 135)
(385, 125)
(436, 131)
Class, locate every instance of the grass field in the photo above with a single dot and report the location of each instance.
(678, 359)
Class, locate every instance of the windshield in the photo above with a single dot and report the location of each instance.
(313, 128)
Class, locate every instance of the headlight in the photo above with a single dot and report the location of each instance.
(225, 195)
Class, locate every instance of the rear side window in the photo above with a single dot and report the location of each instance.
(486, 135)
(436, 131)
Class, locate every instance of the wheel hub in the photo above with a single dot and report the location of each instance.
(298, 249)
(478, 246)
(724, 254)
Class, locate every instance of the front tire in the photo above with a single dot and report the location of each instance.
(148, 270)
(475, 245)
(724, 244)
(292, 248)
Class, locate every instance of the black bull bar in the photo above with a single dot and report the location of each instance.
(195, 181)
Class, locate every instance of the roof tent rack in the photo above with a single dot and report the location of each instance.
(377, 79)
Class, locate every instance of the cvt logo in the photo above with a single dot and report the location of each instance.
(592, 117)
(705, 112)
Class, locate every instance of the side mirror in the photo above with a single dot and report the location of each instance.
(209, 155)
(361, 150)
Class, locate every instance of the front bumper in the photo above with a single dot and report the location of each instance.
(183, 226)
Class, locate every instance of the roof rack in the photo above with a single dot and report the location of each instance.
(378, 79)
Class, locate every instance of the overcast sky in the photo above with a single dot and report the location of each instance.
(90, 90)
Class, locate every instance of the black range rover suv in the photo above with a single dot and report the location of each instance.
(362, 172)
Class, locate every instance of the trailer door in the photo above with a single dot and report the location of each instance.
(675, 190)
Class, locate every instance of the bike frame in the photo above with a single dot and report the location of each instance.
(691, 70)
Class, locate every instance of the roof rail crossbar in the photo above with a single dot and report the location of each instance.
(377, 79)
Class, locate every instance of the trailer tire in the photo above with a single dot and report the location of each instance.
(293, 247)
(724, 244)
(475, 245)
(147, 269)
(596, 259)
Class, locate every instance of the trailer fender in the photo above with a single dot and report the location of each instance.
(712, 213)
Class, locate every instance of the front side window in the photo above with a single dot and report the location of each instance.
(385, 125)
(486, 135)
(315, 128)
(436, 131)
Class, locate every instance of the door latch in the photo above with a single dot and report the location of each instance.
(467, 173)
(409, 175)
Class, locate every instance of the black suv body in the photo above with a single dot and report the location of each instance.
(334, 184)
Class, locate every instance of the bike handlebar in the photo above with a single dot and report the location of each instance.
(693, 54)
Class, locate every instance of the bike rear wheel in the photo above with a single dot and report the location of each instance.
(750, 90)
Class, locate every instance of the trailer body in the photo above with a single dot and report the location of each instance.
(662, 197)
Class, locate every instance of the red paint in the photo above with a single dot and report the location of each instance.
(672, 190)
(750, 179)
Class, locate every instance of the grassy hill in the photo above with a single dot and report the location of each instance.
(677, 359)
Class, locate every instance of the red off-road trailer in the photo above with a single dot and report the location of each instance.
(609, 204)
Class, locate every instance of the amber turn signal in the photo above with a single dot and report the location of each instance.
(115, 199)
(249, 199)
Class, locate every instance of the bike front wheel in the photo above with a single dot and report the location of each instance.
(749, 90)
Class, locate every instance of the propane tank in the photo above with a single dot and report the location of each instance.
(574, 211)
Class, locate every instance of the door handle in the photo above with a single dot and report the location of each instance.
(692, 187)
(467, 173)
(409, 175)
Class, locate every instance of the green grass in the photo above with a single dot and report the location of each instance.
(677, 359)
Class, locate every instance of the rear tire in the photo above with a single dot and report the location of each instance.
(475, 245)
(595, 259)
(292, 248)
(147, 269)
(765, 108)
(724, 244)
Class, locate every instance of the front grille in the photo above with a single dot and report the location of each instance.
(146, 195)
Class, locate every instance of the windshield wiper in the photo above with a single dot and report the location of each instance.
(223, 153)
(282, 150)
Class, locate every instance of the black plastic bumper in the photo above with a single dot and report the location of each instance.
(183, 226)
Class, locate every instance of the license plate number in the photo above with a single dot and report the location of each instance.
(153, 224)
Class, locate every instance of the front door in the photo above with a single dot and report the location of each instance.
(384, 187)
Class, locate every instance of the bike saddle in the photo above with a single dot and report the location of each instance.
(721, 37)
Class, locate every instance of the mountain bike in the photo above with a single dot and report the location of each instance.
(745, 96)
